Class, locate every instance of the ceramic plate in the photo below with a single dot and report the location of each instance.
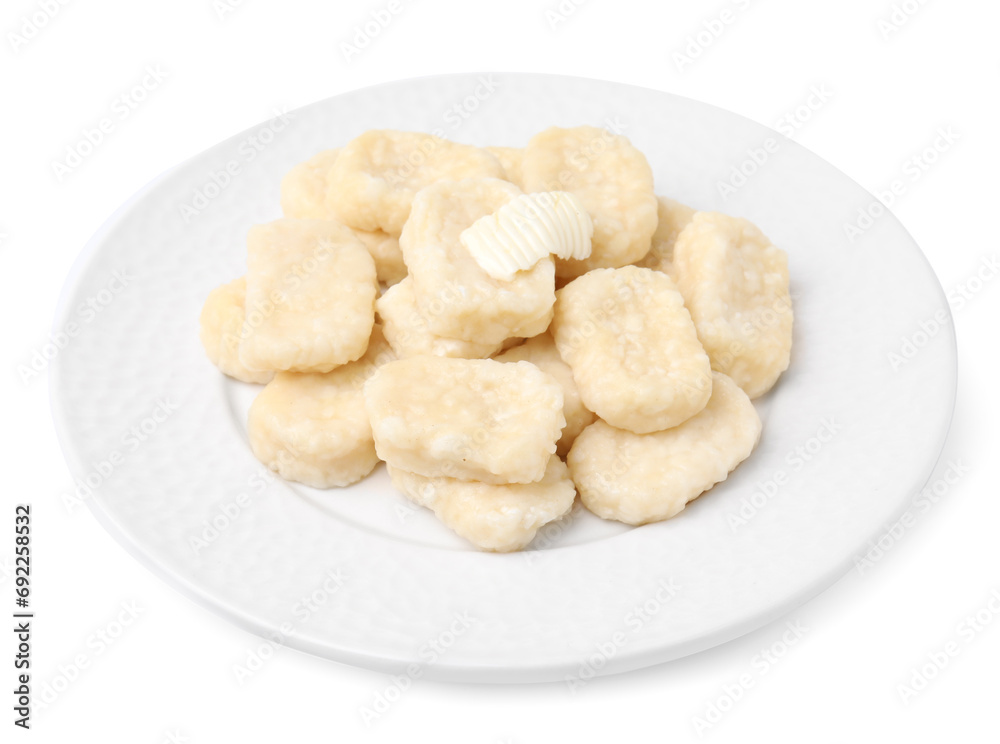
(156, 439)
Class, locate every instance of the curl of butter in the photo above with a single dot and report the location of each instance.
(526, 230)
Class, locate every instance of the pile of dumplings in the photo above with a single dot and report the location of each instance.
(594, 338)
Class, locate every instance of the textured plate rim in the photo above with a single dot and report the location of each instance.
(446, 669)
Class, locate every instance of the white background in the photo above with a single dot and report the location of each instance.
(169, 675)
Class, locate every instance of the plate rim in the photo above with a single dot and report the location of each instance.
(449, 669)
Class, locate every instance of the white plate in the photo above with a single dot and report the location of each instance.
(410, 591)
